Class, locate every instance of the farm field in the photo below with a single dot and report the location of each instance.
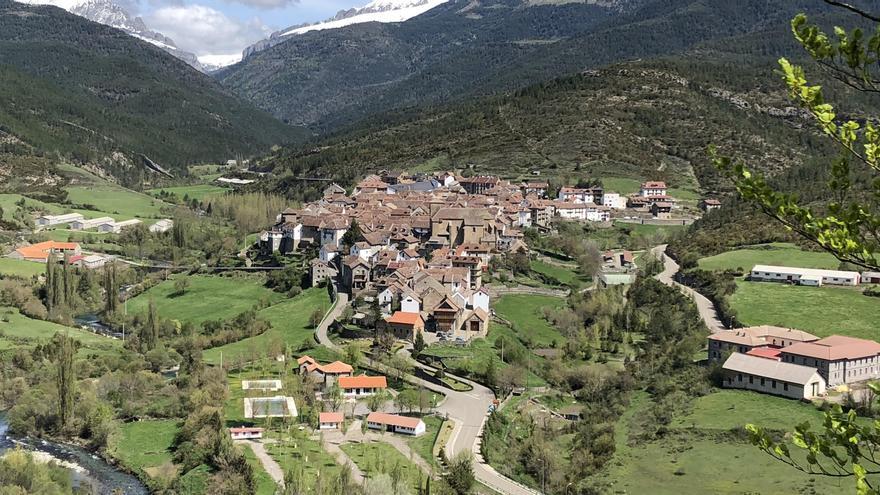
(145, 445)
(207, 298)
(822, 311)
(198, 191)
(116, 201)
(781, 253)
(289, 321)
(19, 268)
(17, 330)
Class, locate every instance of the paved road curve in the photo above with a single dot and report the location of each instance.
(704, 305)
(329, 318)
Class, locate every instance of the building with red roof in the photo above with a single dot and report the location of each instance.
(405, 325)
(330, 420)
(363, 385)
(839, 359)
(395, 423)
(766, 353)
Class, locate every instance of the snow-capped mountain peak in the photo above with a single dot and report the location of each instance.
(108, 13)
(375, 11)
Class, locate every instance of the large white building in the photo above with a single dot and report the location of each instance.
(87, 224)
(52, 220)
(395, 423)
(580, 195)
(772, 376)
(117, 227)
(653, 188)
(804, 276)
(614, 201)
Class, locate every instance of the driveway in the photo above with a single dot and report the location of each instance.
(269, 464)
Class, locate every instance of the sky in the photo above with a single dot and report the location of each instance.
(224, 27)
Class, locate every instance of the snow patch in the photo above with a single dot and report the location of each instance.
(375, 11)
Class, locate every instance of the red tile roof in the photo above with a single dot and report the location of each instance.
(363, 381)
(331, 417)
(834, 348)
(335, 368)
(393, 420)
(246, 430)
(765, 352)
(401, 318)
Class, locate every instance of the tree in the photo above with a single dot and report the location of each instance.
(180, 285)
(316, 317)
(377, 400)
(847, 225)
(65, 380)
(353, 355)
(352, 235)
(334, 396)
(150, 332)
(460, 476)
(419, 344)
(111, 289)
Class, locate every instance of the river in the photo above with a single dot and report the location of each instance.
(86, 468)
(91, 322)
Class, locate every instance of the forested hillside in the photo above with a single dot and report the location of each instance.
(86, 91)
(464, 48)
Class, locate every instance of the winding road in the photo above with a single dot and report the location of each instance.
(707, 310)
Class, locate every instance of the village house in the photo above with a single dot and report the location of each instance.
(804, 276)
(89, 262)
(246, 433)
(327, 374)
(661, 210)
(321, 271)
(614, 201)
(771, 376)
(743, 340)
(653, 188)
(330, 420)
(479, 184)
(839, 359)
(591, 195)
(710, 204)
(539, 189)
(405, 326)
(40, 252)
(355, 274)
(362, 386)
(871, 277)
(395, 423)
(53, 220)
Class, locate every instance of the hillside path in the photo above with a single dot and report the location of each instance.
(269, 464)
(329, 318)
(707, 310)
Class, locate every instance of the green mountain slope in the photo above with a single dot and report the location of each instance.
(86, 91)
(465, 48)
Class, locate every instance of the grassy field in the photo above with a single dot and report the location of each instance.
(424, 445)
(116, 201)
(289, 323)
(207, 298)
(524, 311)
(819, 310)
(17, 330)
(303, 453)
(146, 444)
(621, 185)
(198, 191)
(375, 458)
(707, 460)
(22, 269)
(565, 275)
(784, 254)
(728, 409)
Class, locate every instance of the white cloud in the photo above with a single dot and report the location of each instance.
(265, 4)
(205, 31)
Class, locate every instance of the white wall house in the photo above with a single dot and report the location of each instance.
(579, 195)
(480, 299)
(361, 386)
(614, 201)
(51, 220)
(410, 304)
(653, 188)
(771, 376)
(330, 420)
(571, 211)
(395, 423)
(161, 226)
(804, 276)
(246, 433)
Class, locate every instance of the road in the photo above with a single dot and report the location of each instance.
(329, 318)
(704, 305)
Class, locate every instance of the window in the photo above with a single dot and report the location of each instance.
(773, 383)
(739, 377)
(785, 387)
(751, 379)
(762, 381)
